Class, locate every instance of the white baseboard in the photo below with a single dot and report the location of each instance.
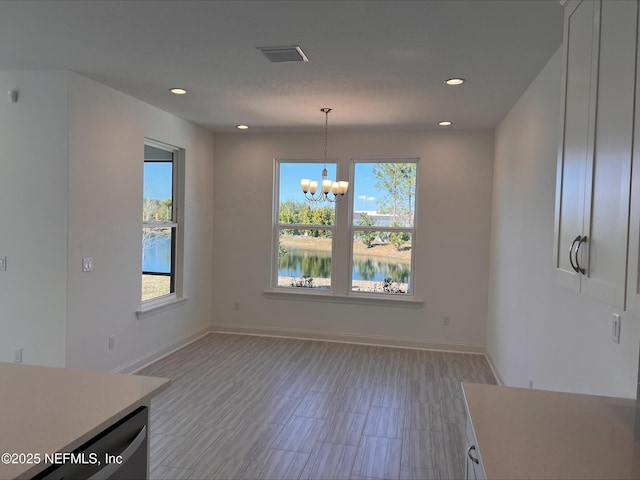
(348, 338)
(161, 352)
(493, 369)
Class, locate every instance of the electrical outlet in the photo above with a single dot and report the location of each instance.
(236, 305)
(615, 328)
(112, 342)
(3, 264)
(17, 355)
(446, 320)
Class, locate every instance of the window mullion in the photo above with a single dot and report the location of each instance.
(340, 252)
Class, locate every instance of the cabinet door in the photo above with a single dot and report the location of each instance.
(604, 254)
(576, 144)
(474, 469)
(633, 266)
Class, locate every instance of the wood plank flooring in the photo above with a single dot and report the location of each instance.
(245, 407)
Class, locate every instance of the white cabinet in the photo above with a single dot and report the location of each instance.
(633, 275)
(474, 469)
(596, 145)
(574, 157)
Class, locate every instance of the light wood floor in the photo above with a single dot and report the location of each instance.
(245, 407)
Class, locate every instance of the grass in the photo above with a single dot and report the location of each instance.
(377, 251)
(154, 286)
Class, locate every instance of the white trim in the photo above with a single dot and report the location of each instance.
(277, 226)
(158, 304)
(493, 370)
(159, 353)
(413, 229)
(336, 337)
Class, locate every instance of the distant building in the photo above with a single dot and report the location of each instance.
(383, 219)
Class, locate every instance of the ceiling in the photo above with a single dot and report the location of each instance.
(378, 64)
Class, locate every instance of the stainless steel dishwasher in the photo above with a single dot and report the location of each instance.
(118, 453)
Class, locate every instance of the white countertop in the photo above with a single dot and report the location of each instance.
(48, 410)
(524, 433)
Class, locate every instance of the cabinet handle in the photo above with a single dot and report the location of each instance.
(577, 239)
(471, 457)
(112, 468)
(580, 269)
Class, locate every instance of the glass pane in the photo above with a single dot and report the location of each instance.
(293, 206)
(384, 194)
(158, 192)
(304, 259)
(156, 250)
(157, 262)
(154, 286)
(381, 262)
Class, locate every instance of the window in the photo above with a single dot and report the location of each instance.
(380, 234)
(304, 230)
(383, 227)
(160, 222)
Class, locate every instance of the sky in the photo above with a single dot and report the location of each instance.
(157, 180)
(292, 173)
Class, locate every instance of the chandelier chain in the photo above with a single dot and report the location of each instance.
(326, 133)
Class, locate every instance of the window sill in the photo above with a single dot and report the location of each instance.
(360, 299)
(156, 306)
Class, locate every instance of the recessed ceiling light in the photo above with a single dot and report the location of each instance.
(445, 123)
(178, 91)
(242, 127)
(455, 81)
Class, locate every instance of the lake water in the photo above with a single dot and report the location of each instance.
(156, 257)
(156, 254)
(298, 263)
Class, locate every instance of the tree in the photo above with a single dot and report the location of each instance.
(399, 182)
(302, 213)
(399, 239)
(166, 212)
(367, 236)
(156, 210)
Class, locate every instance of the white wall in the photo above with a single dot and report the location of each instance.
(452, 244)
(106, 137)
(33, 216)
(71, 187)
(538, 330)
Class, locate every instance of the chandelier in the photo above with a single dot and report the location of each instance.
(331, 191)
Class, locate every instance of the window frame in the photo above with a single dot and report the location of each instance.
(176, 224)
(277, 227)
(353, 228)
(344, 229)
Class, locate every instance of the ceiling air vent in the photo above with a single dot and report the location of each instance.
(292, 53)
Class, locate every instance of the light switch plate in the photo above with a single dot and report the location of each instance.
(3, 264)
(87, 264)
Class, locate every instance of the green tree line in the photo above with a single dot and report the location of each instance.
(157, 210)
(302, 213)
